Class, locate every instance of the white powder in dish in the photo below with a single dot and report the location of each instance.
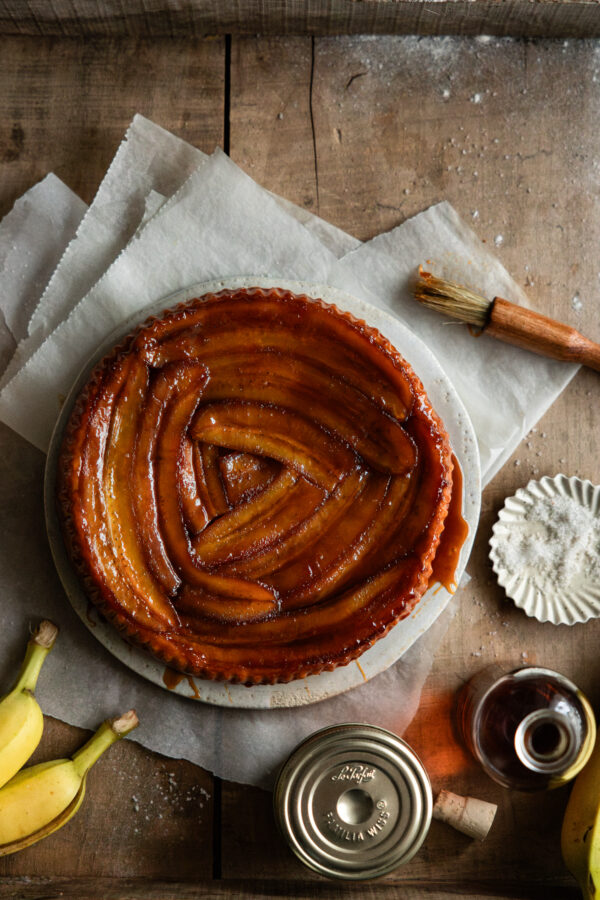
(556, 543)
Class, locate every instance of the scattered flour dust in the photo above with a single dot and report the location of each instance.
(168, 802)
(556, 543)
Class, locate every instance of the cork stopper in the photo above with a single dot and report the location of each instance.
(467, 814)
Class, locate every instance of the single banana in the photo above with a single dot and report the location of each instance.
(580, 838)
(21, 719)
(42, 798)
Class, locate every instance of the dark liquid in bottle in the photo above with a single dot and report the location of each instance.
(530, 729)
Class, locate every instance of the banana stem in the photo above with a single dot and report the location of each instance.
(109, 732)
(37, 650)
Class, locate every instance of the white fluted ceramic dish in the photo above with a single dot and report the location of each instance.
(579, 599)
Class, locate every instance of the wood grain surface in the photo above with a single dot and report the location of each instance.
(390, 126)
(180, 18)
(127, 888)
(365, 132)
(66, 104)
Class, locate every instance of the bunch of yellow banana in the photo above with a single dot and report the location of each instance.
(41, 799)
(21, 719)
(580, 838)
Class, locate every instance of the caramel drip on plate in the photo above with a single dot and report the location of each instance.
(194, 687)
(172, 678)
(453, 536)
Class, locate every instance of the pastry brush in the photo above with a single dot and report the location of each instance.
(507, 321)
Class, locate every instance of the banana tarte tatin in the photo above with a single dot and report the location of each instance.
(253, 486)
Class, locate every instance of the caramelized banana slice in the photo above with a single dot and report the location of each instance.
(228, 529)
(119, 592)
(370, 531)
(297, 385)
(244, 475)
(208, 478)
(195, 514)
(310, 569)
(314, 529)
(174, 424)
(255, 526)
(337, 613)
(326, 355)
(120, 517)
(198, 603)
(279, 434)
(162, 387)
(308, 328)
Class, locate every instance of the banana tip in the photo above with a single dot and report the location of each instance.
(45, 634)
(124, 724)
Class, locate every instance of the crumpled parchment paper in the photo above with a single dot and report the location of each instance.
(164, 217)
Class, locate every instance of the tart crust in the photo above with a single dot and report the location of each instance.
(253, 486)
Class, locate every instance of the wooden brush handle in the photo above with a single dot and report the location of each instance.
(532, 331)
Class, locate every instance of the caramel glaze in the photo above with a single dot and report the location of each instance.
(253, 486)
(171, 678)
(453, 536)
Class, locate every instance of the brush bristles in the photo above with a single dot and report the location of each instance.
(453, 299)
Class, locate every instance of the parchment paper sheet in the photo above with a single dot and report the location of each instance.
(32, 238)
(218, 222)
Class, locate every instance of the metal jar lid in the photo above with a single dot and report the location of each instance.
(353, 801)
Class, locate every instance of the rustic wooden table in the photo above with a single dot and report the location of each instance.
(365, 132)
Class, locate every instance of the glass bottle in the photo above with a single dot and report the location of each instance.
(530, 728)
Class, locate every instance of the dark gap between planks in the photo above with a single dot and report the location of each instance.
(217, 824)
(227, 91)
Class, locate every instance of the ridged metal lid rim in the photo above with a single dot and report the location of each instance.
(304, 782)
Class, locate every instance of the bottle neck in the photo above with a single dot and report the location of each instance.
(546, 742)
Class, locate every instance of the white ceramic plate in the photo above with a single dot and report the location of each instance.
(563, 601)
(447, 404)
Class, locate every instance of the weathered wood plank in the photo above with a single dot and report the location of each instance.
(271, 133)
(138, 889)
(403, 126)
(399, 124)
(178, 18)
(65, 105)
(143, 815)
